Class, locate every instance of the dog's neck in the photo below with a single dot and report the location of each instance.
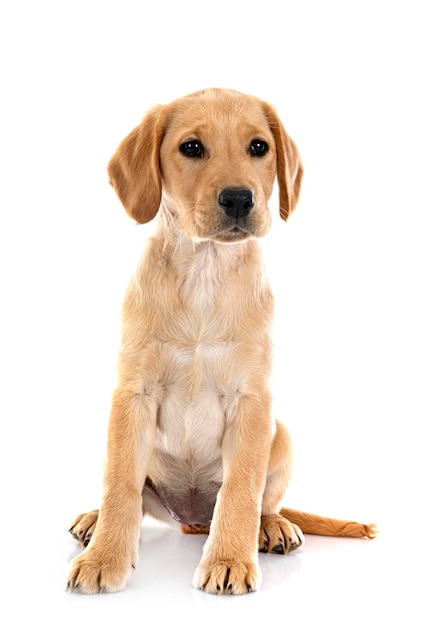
(206, 267)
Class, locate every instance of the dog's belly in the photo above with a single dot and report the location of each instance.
(186, 468)
(190, 505)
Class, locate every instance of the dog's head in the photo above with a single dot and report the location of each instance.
(211, 158)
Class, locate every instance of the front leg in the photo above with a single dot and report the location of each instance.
(229, 564)
(106, 563)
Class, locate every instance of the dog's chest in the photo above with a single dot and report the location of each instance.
(201, 382)
(207, 347)
(202, 326)
(202, 354)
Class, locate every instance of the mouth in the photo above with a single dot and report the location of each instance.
(233, 234)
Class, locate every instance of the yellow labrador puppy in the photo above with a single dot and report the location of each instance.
(191, 438)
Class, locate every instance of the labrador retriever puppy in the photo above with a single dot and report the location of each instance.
(191, 438)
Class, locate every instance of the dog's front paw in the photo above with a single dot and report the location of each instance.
(278, 535)
(91, 572)
(227, 577)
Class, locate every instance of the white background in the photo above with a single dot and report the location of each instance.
(358, 275)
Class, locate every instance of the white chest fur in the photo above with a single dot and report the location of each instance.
(206, 322)
(202, 353)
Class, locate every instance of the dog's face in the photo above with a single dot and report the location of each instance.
(218, 164)
(210, 159)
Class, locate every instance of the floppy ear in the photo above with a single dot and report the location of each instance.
(289, 166)
(134, 168)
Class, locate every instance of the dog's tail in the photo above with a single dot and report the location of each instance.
(318, 525)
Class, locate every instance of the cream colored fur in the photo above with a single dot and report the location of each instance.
(191, 439)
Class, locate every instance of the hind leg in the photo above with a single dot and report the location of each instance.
(277, 534)
(83, 527)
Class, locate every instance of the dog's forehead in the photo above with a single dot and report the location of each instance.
(218, 111)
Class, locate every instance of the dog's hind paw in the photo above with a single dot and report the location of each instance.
(83, 527)
(278, 535)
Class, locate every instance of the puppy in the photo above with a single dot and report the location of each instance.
(191, 439)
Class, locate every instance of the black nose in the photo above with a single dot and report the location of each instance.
(236, 201)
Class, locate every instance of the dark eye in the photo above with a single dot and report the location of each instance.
(258, 147)
(192, 149)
